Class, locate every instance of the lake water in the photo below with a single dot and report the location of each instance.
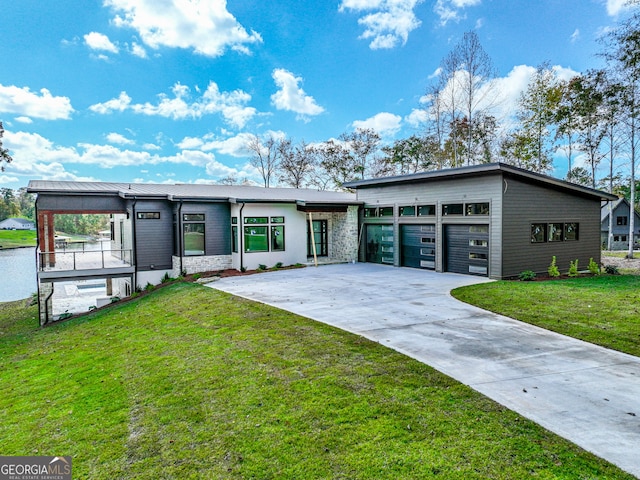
(17, 273)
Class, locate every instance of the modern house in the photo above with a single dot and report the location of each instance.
(17, 224)
(621, 214)
(159, 230)
(492, 220)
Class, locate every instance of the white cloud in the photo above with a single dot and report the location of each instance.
(150, 146)
(27, 103)
(291, 96)
(575, 36)
(119, 104)
(416, 118)
(23, 120)
(206, 26)
(6, 179)
(231, 105)
(389, 22)
(119, 139)
(449, 10)
(386, 124)
(99, 41)
(615, 7)
(138, 50)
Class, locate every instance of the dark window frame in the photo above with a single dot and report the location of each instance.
(452, 209)
(430, 210)
(322, 248)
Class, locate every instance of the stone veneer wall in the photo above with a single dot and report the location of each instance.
(197, 264)
(343, 234)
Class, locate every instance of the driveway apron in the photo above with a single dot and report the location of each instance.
(587, 394)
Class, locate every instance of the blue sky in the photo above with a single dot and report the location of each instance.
(169, 90)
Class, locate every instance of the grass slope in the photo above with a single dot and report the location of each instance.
(604, 310)
(188, 382)
(17, 238)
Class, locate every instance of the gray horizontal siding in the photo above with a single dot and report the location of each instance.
(217, 225)
(525, 204)
(458, 190)
(154, 237)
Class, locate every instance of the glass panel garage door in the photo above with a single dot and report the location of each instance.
(418, 246)
(467, 249)
(379, 246)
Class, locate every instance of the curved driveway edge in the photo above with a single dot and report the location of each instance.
(587, 394)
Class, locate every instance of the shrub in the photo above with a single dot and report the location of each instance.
(278, 265)
(243, 269)
(553, 268)
(527, 275)
(594, 268)
(115, 299)
(573, 268)
(196, 276)
(611, 270)
(262, 267)
(166, 278)
(149, 287)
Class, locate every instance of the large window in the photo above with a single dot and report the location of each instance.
(262, 236)
(320, 229)
(538, 232)
(193, 234)
(556, 232)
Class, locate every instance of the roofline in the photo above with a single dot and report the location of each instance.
(474, 170)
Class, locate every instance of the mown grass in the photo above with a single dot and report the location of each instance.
(189, 382)
(17, 238)
(604, 310)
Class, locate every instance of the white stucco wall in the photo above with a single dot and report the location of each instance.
(295, 236)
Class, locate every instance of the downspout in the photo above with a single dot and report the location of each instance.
(134, 247)
(241, 237)
(179, 233)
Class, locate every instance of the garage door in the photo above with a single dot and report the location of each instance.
(418, 243)
(467, 249)
(379, 243)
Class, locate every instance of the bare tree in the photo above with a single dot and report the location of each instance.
(623, 56)
(264, 156)
(475, 76)
(297, 162)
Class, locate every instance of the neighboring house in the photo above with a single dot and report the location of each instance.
(493, 220)
(17, 224)
(621, 218)
(159, 230)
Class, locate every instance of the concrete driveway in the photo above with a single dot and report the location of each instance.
(587, 394)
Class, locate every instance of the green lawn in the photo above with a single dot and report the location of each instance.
(188, 382)
(604, 310)
(17, 238)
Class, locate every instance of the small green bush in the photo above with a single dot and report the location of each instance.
(115, 299)
(611, 270)
(573, 269)
(593, 267)
(278, 265)
(196, 276)
(262, 267)
(553, 268)
(166, 278)
(243, 269)
(149, 287)
(527, 275)
(135, 294)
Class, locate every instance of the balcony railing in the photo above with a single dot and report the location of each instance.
(59, 260)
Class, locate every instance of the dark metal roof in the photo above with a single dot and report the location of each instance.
(481, 170)
(190, 192)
